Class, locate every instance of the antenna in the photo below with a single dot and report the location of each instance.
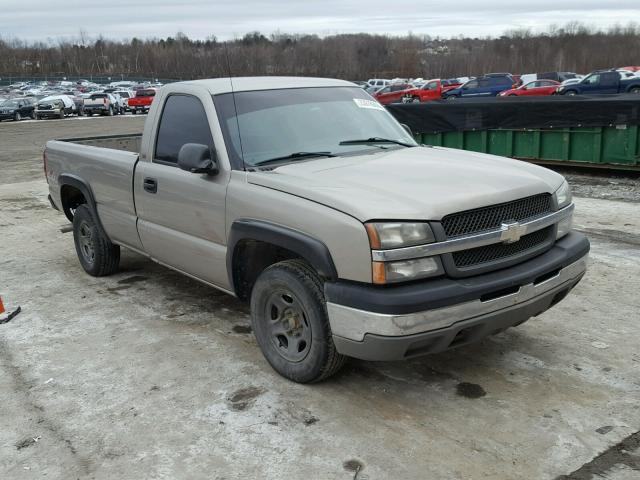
(233, 96)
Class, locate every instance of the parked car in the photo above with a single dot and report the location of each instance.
(603, 81)
(16, 109)
(101, 103)
(125, 95)
(120, 103)
(55, 106)
(537, 87)
(378, 82)
(142, 100)
(392, 93)
(431, 90)
(265, 192)
(485, 86)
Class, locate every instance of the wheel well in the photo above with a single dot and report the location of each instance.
(250, 259)
(71, 198)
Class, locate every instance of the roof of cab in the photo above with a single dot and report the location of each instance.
(243, 84)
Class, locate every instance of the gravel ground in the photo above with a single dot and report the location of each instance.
(148, 374)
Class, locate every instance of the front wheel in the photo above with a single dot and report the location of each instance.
(97, 255)
(17, 117)
(571, 93)
(291, 324)
(635, 90)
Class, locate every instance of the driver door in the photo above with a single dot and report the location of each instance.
(181, 215)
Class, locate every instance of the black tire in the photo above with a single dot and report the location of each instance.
(134, 111)
(97, 255)
(33, 114)
(17, 117)
(110, 112)
(61, 114)
(451, 97)
(289, 295)
(635, 90)
(570, 93)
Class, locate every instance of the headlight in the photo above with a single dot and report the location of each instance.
(390, 235)
(395, 235)
(405, 270)
(563, 195)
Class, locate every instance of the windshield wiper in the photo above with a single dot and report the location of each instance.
(374, 140)
(294, 156)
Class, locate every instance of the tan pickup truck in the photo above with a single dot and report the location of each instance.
(306, 198)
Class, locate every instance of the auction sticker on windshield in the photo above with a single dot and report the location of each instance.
(364, 103)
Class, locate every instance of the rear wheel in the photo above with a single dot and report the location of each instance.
(33, 114)
(634, 90)
(290, 322)
(97, 255)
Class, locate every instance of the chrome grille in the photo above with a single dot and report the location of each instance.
(489, 218)
(502, 251)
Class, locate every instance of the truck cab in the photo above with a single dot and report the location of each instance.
(603, 82)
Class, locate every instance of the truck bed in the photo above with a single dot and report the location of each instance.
(129, 142)
(106, 164)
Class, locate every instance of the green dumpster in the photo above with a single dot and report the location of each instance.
(595, 131)
(611, 147)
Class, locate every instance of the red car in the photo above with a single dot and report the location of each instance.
(536, 87)
(142, 101)
(392, 93)
(431, 90)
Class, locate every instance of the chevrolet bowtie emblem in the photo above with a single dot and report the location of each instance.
(511, 232)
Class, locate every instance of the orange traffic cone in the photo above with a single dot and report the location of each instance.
(8, 317)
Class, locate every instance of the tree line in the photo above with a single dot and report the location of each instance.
(572, 47)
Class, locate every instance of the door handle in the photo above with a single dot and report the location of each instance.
(150, 185)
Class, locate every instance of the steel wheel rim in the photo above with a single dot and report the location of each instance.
(85, 241)
(288, 326)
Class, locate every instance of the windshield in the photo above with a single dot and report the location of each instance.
(276, 123)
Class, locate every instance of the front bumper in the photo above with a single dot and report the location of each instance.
(6, 116)
(374, 323)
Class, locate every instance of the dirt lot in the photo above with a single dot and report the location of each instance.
(148, 374)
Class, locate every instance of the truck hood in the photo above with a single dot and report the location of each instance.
(420, 183)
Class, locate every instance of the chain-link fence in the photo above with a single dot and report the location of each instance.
(100, 79)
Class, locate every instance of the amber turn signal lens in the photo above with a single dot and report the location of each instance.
(379, 273)
(374, 238)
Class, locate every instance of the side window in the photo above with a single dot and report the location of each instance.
(385, 90)
(183, 121)
(610, 78)
(472, 84)
(593, 79)
(484, 82)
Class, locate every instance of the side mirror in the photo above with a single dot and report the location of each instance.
(197, 158)
(406, 127)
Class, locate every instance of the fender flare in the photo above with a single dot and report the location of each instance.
(311, 249)
(67, 179)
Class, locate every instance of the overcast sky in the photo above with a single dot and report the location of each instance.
(119, 19)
